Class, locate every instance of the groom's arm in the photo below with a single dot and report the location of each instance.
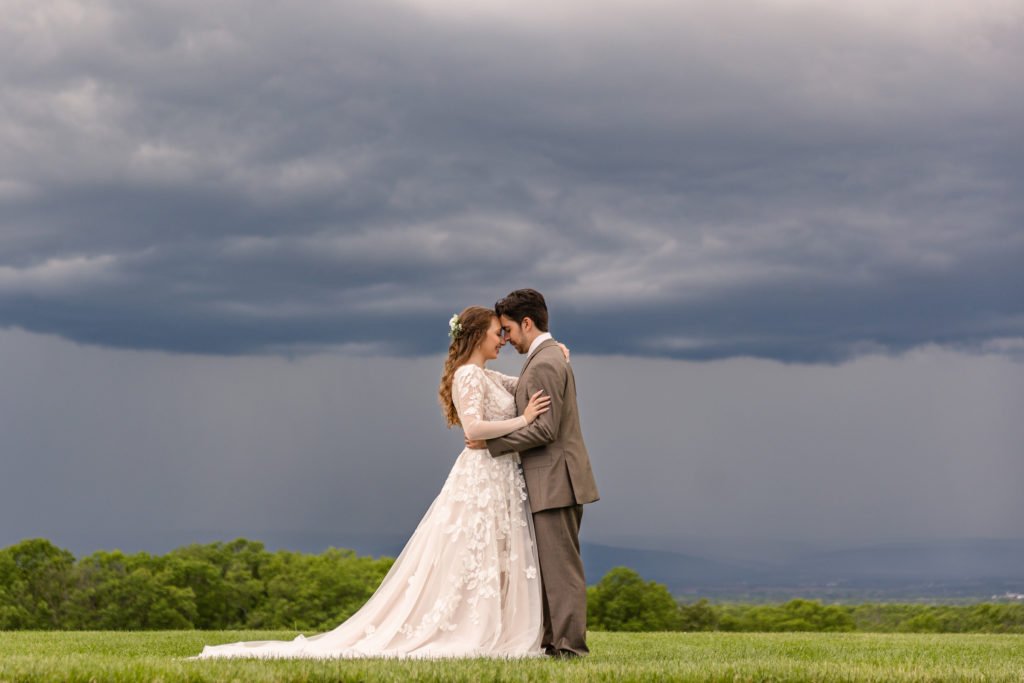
(547, 374)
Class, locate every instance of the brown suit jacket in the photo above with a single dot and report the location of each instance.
(555, 461)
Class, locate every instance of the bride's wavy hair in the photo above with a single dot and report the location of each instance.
(473, 324)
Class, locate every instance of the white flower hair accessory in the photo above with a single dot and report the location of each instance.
(454, 326)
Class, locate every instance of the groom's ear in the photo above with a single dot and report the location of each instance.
(527, 324)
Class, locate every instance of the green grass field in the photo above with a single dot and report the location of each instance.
(158, 656)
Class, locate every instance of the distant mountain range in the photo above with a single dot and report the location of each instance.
(926, 570)
(673, 569)
(934, 560)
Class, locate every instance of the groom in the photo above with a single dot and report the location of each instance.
(556, 468)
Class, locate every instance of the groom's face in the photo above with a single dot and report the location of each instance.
(513, 333)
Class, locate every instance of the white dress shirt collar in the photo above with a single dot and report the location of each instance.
(542, 337)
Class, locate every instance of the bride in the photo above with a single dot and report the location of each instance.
(467, 583)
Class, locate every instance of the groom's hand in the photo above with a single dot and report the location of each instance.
(479, 444)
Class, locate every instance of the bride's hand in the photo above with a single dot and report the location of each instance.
(538, 404)
(565, 350)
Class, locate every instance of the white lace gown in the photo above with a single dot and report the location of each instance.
(467, 584)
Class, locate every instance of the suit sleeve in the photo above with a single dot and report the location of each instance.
(545, 373)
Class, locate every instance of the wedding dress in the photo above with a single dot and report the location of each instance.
(467, 583)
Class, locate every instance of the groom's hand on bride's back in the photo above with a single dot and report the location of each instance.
(478, 444)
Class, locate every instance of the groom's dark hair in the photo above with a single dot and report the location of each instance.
(525, 303)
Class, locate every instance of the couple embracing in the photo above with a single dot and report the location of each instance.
(493, 569)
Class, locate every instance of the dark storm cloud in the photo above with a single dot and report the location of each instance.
(788, 180)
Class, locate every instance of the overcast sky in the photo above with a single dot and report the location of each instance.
(784, 239)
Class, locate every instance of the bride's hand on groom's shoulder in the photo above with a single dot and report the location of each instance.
(565, 350)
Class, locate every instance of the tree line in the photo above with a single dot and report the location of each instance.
(236, 585)
(241, 585)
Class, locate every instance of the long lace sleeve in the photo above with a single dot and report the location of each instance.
(468, 392)
(508, 381)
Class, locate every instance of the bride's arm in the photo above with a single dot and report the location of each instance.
(468, 396)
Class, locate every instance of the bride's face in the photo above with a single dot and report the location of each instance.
(492, 341)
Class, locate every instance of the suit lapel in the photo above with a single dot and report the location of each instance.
(543, 344)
